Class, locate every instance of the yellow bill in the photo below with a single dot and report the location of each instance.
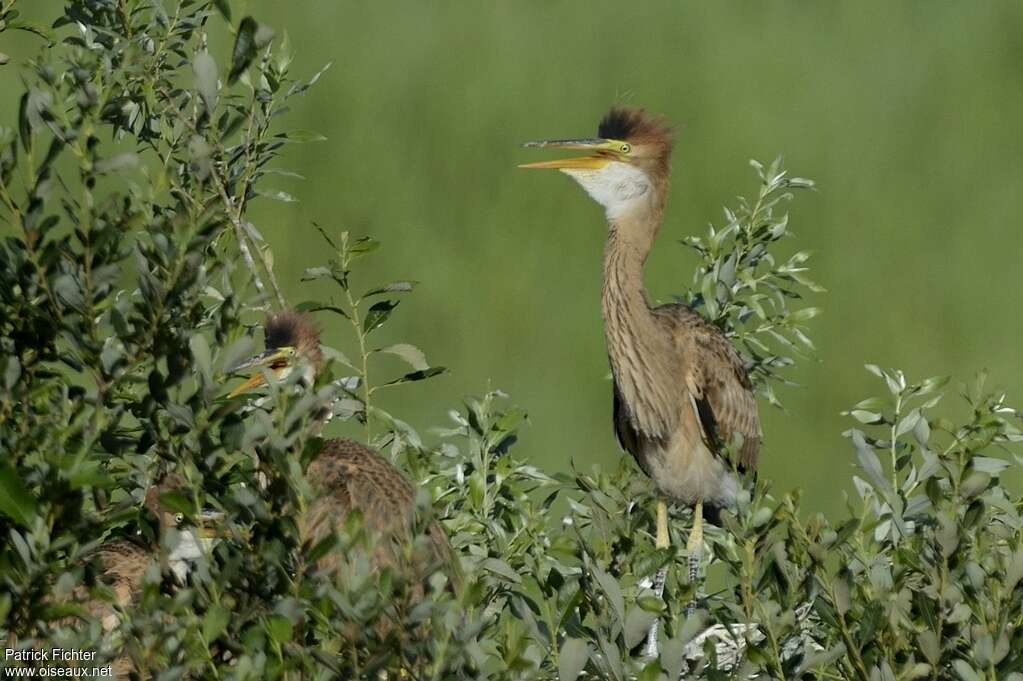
(604, 151)
(275, 359)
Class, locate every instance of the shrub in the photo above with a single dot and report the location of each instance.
(129, 267)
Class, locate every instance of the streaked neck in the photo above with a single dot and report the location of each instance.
(639, 347)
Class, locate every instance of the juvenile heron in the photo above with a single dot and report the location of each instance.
(123, 562)
(683, 403)
(348, 475)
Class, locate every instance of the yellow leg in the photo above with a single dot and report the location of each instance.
(663, 538)
(695, 543)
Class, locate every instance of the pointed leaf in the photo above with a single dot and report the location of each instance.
(205, 71)
(378, 314)
(224, 7)
(251, 37)
(572, 658)
(201, 354)
(16, 502)
(393, 287)
(410, 353)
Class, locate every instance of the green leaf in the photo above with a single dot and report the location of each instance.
(502, 569)
(572, 658)
(313, 306)
(362, 246)
(31, 27)
(201, 354)
(12, 372)
(302, 136)
(867, 417)
(337, 356)
(378, 314)
(176, 502)
(215, 622)
(637, 624)
(16, 502)
(965, 671)
(869, 462)
(251, 37)
(612, 590)
(205, 71)
(393, 287)
(224, 7)
(238, 352)
(989, 465)
(418, 375)
(908, 423)
(280, 629)
(410, 353)
(24, 126)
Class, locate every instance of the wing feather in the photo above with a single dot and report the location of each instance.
(719, 387)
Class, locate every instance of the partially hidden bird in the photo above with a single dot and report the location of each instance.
(347, 475)
(683, 403)
(122, 563)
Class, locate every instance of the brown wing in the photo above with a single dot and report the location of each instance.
(349, 476)
(717, 380)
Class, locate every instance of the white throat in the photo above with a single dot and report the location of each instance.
(618, 187)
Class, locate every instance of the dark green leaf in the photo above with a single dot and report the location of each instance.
(224, 7)
(215, 622)
(378, 314)
(16, 502)
(418, 375)
(302, 136)
(251, 37)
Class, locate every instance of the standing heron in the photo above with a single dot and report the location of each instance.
(348, 475)
(683, 402)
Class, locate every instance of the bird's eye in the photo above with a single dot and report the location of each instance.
(179, 518)
(625, 148)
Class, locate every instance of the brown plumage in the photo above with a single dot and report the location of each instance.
(682, 398)
(297, 330)
(123, 563)
(347, 475)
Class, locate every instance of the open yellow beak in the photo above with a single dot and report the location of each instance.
(275, 359)
(604, 151)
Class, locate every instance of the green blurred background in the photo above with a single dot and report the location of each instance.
(908, 115)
